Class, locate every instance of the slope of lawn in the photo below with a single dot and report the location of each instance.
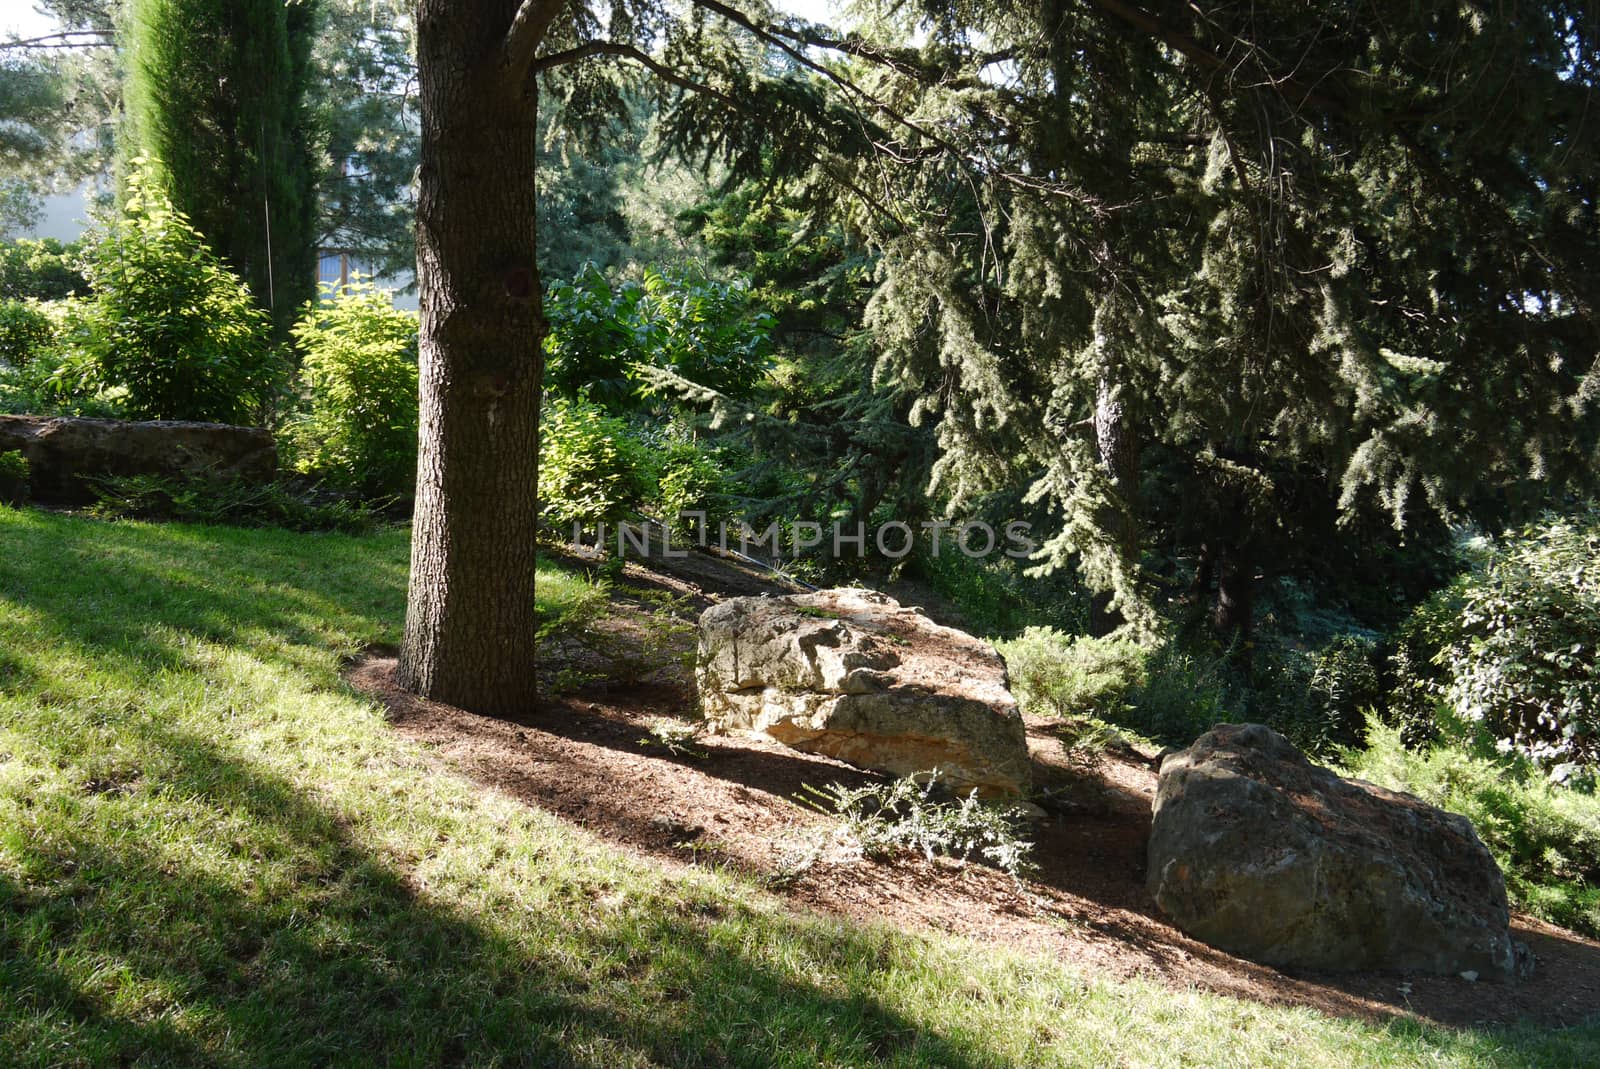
(213, 853)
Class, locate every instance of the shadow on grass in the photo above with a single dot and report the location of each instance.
(294, 942)
(357, 966)
(268, 928)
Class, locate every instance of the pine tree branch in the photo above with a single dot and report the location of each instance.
(64, 39)
(854, 93)
(617, 50)
(527, 32)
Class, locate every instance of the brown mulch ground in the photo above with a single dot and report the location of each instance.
(586, 758)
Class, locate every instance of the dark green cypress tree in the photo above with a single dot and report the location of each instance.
(216, 104)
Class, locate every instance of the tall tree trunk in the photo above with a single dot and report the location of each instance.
(469, 635)
(1118, 445)
(1234, 618)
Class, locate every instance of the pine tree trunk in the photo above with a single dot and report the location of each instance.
(1234, 618)
(1118, 445)
(469, 634)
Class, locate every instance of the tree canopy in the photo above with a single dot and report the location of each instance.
(1226, 282)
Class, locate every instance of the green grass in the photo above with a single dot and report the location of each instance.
(567, 600)
(212, 853)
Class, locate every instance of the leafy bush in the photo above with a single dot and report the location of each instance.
(25, 330)
(14, 477)
(1510, 653)
(996, 598)
(359, 375)
(705, 330)
(592, 468)
(1180, 689)
(690, 479)
(1317, 698)
(1546, 839)
(234, 501)
(43, 270)
(1187, 690)
(34, 389)
(1073, 675)
(883, 819)
(1344, 687)
(170, 323)
(53, 379)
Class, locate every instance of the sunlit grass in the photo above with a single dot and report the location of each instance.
(213, 853)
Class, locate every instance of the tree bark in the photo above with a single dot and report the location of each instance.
(469, 633)
(1118, 445)
(1234, 618)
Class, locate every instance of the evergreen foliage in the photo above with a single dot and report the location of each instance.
(216, 101)
(362, 97)
(1239, 283)
(170, 329)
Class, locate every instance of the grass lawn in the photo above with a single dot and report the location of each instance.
(213, 853)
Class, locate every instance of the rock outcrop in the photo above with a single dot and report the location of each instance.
(854, 675)
(62, 453)
(1259, 852)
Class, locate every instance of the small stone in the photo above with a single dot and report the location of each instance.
(1470, 976)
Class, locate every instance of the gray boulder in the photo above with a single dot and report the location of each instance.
(854, 675)
(62, 453)
(1259, 852)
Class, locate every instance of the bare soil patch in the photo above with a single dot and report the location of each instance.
(589, 757)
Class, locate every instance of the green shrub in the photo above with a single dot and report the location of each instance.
(1545, 838)
(359, 377)
(592, 468)
(54, 380)
(1317, 698)
(1185, 693)
(1181, 688)
(995, 597)
(1170, 693)
(1073, 675)
(14, 477)
(25, 330)
(1508, 657)
(602, 331)
(170, 324)
(689, 479)
(34, 388)
(42, 270)
(1345, 686)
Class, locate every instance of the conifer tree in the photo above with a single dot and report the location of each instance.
(1227, 281)
(216, 104)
